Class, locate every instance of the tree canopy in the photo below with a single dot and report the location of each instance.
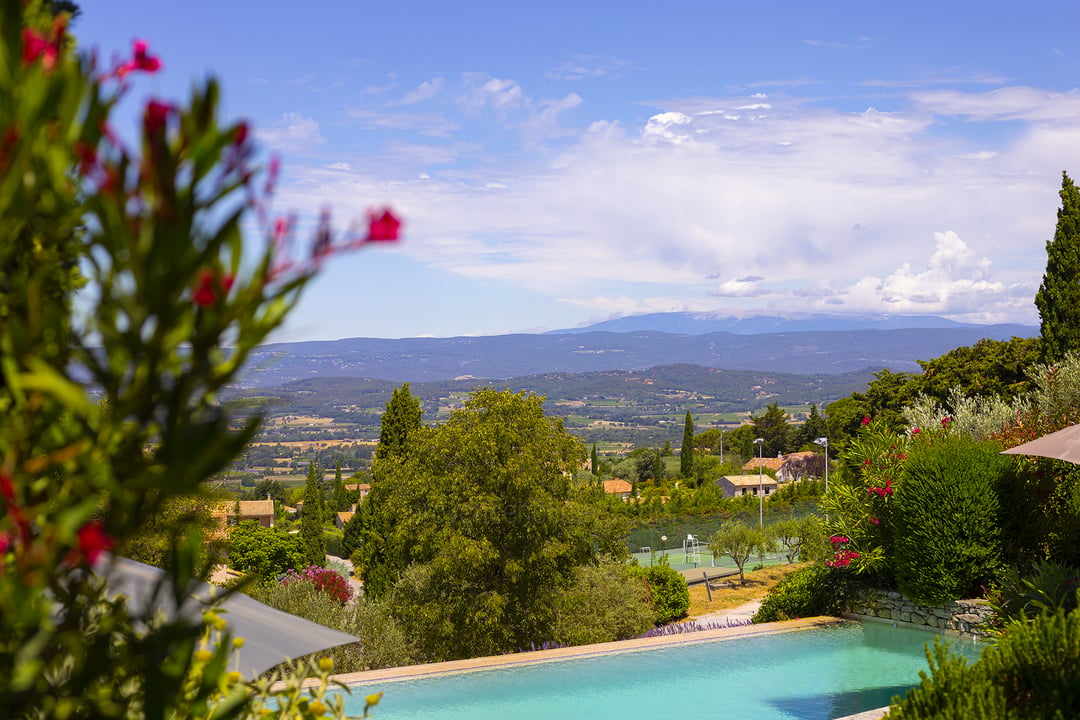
(402, 416)
(471, 533)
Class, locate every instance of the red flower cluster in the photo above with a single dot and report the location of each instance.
(91, 537)
(945, 421)
(839, 539)
(874, 521)
(325, 581)
(142, 60)
(156, 117)
(842, 558)
(210, 287)
(882, 491)
(915, 431)
(37, 46)
(92, 542)
(866, 420)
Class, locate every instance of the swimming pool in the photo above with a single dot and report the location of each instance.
(817, 673)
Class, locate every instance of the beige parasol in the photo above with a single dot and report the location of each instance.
(1061, 445)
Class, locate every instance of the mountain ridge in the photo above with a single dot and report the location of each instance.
(515, 355)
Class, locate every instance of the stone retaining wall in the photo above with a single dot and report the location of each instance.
(964, 616)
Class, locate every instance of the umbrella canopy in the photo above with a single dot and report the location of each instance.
(270, 636)
(1061, 445)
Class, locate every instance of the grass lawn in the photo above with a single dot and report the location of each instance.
(757, 584)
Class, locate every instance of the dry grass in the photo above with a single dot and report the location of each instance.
(757, 584)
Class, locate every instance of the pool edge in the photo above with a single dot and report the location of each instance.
(411, 672)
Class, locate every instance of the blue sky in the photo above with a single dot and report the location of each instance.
(560, 163)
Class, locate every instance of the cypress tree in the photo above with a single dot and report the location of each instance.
(686, 455)
(401, 417)
(594, 464)
(339, 500)
(311, 520)
(1058, 299)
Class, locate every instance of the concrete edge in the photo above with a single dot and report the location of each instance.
(874, 714)
(412, 672)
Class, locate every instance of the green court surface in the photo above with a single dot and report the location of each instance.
(681, 559)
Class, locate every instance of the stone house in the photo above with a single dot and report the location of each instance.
(735, 485)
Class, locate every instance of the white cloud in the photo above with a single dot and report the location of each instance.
(954, 280)
(1010, 103)
(424, 91)
(588, 66)
(485, 92)
(837, 209)
(293, 133)
(743, 287)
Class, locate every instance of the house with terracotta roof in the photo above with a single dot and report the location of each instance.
(787, 468)
(735, 485)
(362, 488)
(797, 466)
(231, 512)
(619, 488)
(341, 518)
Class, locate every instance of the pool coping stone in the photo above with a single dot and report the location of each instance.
(412, 672)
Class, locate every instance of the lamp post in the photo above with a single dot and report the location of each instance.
(760, 442)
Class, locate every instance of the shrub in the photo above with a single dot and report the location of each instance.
(332, 541)
(1050, 586)
(670, 593)
(383, 642)
(606, 602)
(263, 552)
(327, 581)
(811, 591)
(1033, 671)
(947, 536)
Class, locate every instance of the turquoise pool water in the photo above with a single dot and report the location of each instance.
(812, 674)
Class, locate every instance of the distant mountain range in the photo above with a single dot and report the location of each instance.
(703, 323)
(800, 346)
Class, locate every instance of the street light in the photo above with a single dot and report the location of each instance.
(824, 443)
(760, 442)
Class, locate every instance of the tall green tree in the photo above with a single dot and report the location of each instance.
(402, 417)
(474, 532)
(340, 499)
(813, 428)
(686, 454)
(594, 461)
(772, 425)
(1058, 299)
(311, 520)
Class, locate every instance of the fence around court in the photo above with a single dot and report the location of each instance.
(676, 539)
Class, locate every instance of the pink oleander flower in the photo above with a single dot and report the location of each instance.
(874, 521)
(37, 46)
(916, 431)
(156, 117)
(383, 227)
(142, 60)
(93, 541)
(204, 294)
(946, 420)
(866, 420)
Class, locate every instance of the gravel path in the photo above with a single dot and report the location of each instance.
(741, 614)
